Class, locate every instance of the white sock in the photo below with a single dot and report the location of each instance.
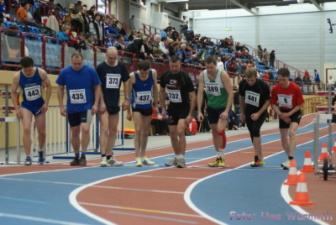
(220, 152)
(181, 156)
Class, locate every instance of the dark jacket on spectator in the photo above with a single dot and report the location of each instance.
(135, 47)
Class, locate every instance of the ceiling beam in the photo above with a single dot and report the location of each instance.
(243, 5)
(317, 4)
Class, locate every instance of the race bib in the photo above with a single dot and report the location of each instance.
(213, 89)
(285, 101)
(77, 96)
(32, 93)
(112, 80)
(143, 97)
(252, 98)
(174, 96)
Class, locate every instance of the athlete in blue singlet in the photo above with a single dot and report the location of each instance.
(143, 86)
(83, 92)
(31, 80)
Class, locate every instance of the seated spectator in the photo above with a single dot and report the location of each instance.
(52, 22)
(238, 47)
(173, 47)
(232, 67)
(189, 35)
(22, 12)
(110, 29)
(193, 60)
(220, 64)
(298, 80)
(140, 48)
(133, 34)
(157, 52)
(119, 44)
(182, 53)
(164, 47)
(265, 76)
(174, 35)
(63, 34)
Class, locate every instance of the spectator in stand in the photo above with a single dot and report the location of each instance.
(241, 67)
(2, 9)
(157, 53)
(119, 44)
(184, 27)
(260, 53)
(271, 76)
(164, 47)
(189, 35)
(85, 19)
(266, 57)
(298, 80)
(232, 67)
(131, 23)
(317, 79)
(239, 47)
(52, 22)
(97, 29)
(182, 54)
(22, 12)
(245, 48)
(110, 29)
(140, 47)
(174, 35)
(91, 12)
(245, 55)
(133, 35)
(220, 64)
(331, 82)
(63, 34)
(173, 47)
(272, 58)
(306, 81)
(265, 76)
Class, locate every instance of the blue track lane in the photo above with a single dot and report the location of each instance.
(43, 197)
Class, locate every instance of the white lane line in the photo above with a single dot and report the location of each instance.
(21, 200)
(182, 178)
(141, 210)
(153, 217)
(187, 195)
(37, 219)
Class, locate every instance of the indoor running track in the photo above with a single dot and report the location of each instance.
(239, 194)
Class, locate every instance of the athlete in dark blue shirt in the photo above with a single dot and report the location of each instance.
(31, 80)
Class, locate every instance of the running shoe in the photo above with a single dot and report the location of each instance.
(172, 162)
(146, 161)
(28, 161)
(219, 162)
(138, 162)
(75, 162)
(113, 162)
(103, 162)
(180, 163)
(285, 165)
(82, 161)
(258, 163)
(41, 157)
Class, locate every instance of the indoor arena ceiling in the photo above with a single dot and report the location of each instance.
(248, 5)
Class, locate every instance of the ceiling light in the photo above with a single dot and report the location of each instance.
(172, 1)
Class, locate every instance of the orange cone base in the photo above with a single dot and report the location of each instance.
(323, 155)
(300, 203)
(307, 169)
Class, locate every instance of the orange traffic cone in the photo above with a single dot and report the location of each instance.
(334, 148)
(292, 177)
(301, 194)
(307, 164)
(324, 152)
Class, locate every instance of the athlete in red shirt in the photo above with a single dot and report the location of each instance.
(287, 101)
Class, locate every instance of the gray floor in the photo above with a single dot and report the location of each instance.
(153, 142)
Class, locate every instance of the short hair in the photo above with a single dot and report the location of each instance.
(174, 59)
(144, 65)
(65, 27)
(76, 55)
(251, 72)
(164, 39)
(284, 72)
(26, 62)
(210, 59)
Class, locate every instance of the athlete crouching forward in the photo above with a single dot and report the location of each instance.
(220, 97)
(143, 88)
